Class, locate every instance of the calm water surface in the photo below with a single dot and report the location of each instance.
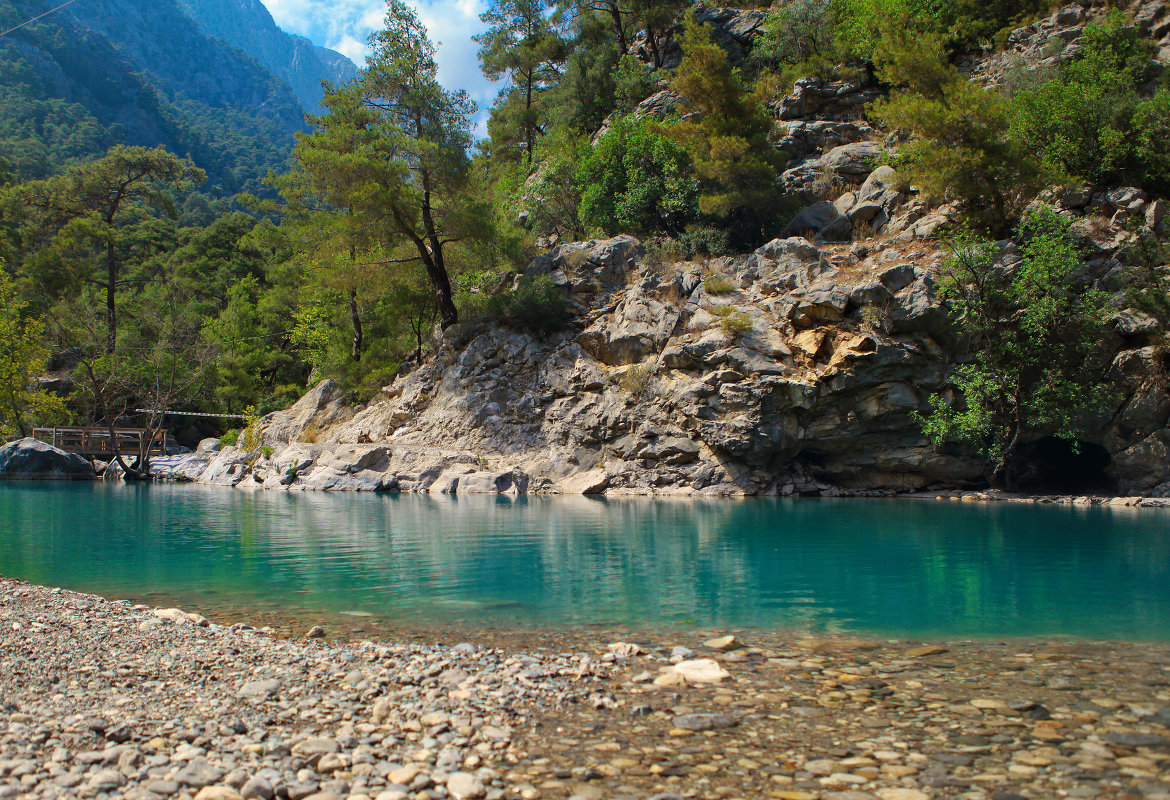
(866, 566)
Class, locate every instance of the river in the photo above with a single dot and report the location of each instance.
(869, 567)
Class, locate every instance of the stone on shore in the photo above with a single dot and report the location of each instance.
(32, 459)
(91, 706)
(699, 670)
(464, 786)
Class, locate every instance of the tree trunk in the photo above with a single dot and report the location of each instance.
(432, 252)
(652, 41)
(356, 320)
(616, 14)
(111, 307)
(1005, 471)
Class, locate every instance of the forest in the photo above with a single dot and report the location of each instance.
(131, 280)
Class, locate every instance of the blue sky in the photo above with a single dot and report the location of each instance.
(344, 26)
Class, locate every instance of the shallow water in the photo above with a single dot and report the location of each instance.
(893, 567)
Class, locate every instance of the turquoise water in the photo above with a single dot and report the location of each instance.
(895, 567)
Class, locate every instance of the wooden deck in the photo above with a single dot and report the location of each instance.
(97, 443)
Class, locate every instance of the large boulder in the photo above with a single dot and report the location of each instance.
(589, 268)
(32, 459)
(804, 137)
(826, 99)
(824, 219)
(639, 326)
(854, 161)
(323, 405)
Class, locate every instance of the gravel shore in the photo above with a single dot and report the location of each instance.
(103, 698)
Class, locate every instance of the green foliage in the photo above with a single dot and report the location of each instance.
(637, 379)
(23, 356)
(586, 92)
(1034, 333)
(549, 196)
(522, 44)
(802, 38)
(707, 240)
(718, 285)
(67, 95)
(250, 436)
(392, 154)
(1092, 122)
(636, 180)
(863, 26)
(736, 324)
(1148, 276)
(962, 150)
(535, 305)
(727, 138)
(85, 217)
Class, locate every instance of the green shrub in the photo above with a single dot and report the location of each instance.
(1035, 339)
(663, 252)
(718, 285)
(961, 150)
(535, 304)
(707, 240)
(230, 438)
(633, 83)
(250, 437)
(636, 379)
(800, 39)
(736, 324)
(1092, 121)
(875, 317)
(636, 180)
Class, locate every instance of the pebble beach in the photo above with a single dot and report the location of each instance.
(108, 698)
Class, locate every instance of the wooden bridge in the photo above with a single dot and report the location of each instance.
(97, 442)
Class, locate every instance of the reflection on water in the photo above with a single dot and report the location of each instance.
(873, 566)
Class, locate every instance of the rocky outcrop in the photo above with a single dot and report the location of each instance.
(734, 29)
(32, 459)
(829, 99)
(653, 390)
(799, 368)
(648, 392)
(1046, 44)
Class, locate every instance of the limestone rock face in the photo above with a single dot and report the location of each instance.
(842, 99)
(813, 390)
(32, 459)
(323, 406)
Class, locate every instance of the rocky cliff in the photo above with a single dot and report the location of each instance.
(246, 24)
(796, 369)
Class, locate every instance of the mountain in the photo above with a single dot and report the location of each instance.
(246, 24)
(145, 72)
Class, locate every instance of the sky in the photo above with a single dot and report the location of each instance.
(344, 26)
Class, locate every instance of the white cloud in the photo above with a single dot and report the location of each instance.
(345, 25)
(351, 47)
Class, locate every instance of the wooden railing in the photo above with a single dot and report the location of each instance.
(96, 442)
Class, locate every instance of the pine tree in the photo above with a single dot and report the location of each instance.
(522, 44)
(81, 216)
(392, 149)
(727, 138)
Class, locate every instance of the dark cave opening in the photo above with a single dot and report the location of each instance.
(1053, 466)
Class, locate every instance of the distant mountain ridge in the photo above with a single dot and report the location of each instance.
(248, 25)
(147, 72)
